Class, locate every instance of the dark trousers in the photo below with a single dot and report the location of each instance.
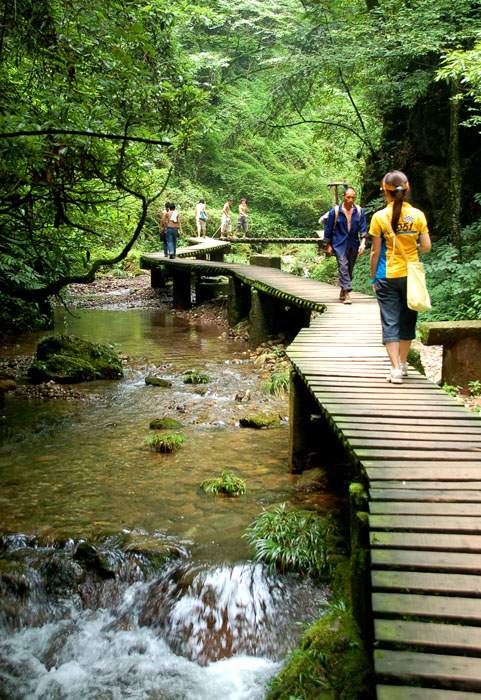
(345, 267)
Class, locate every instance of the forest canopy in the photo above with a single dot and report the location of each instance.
(110, 107)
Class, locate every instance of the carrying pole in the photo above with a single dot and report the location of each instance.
(335, 192)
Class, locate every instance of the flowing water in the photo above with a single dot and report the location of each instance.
(120, 578)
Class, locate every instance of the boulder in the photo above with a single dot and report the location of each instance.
(263, 419)
(153, 380)
(66, 359)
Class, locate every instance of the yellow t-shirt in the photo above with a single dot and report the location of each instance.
(412, 223)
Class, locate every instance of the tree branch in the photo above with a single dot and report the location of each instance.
(74, 132)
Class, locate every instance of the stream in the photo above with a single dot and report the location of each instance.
(119, 577)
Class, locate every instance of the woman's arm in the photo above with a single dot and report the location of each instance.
(425, 243)
(375, 253)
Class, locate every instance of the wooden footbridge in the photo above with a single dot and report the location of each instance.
(417, 452)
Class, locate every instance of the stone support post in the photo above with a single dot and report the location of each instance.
(181, 291)
(301, 408)
(360, 561)
(238, 301)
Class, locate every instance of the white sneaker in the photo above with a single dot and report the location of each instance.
(395, 376)
(404, 368)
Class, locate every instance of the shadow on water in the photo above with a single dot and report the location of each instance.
(207, 623)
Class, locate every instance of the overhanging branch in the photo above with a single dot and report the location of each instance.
(75, 132)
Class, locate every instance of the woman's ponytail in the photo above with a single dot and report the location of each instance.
(397, 184)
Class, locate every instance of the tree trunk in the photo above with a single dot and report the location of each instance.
(454, 167)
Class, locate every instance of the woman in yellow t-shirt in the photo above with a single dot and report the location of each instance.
(389, 271)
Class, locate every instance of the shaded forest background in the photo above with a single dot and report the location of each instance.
(111, 109)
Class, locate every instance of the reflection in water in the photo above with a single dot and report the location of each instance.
(79, 469)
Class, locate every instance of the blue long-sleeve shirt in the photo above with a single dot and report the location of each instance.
(340, 237)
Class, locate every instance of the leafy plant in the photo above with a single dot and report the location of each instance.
(164, 442)
(452, 390)
(227, 483)
(291, 540)
(196, 377)
(474, 388)
(277, 384)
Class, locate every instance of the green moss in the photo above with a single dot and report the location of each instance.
(414, 359)
(158, 381)
(67, 359)
(263, 419)
(227, 483)
(330, 664)
(164, 442)
(164, 423)
(196, 377)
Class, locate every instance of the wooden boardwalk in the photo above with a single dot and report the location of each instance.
(419, 452)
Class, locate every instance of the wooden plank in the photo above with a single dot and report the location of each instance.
(398, 444)
(399, 692)
(433, 582)
(468, 471)
(469, 422)
(339, 410)
(463, 672)
(432, 606)
(417, 434)
(429, 541)
(426, 523)
(436, 487)
(469, 455)
(459, 562)
(462, 639)
(416, 508)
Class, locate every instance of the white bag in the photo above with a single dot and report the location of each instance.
(417, 291)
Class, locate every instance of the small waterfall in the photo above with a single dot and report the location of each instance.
(85, 621)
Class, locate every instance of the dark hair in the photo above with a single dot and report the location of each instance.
(172, 206)
(201, 200)
(397, 184)
(167, 205)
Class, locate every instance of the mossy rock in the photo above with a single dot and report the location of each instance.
(66, 360)
(152, 380)
(414, 359)
(313, 480)
(164, 423)
(331, 663)
(263, 419)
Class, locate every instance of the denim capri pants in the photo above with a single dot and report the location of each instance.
(397, 319)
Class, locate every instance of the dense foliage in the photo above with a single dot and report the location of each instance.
(106, 114)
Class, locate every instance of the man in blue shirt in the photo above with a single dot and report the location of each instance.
(344, 225)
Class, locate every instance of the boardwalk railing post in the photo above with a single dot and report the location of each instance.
(181, 291)
(216, 255)
(238, 301)
(157, 276)
(360, 561)
(301, 408)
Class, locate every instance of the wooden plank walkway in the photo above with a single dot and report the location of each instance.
(419, 451)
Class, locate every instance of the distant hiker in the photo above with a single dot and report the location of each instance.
(344, 225)
(389, 268)
(242, 220)
(201, 217)
(173, 228)
(162, 228)
(226, 226)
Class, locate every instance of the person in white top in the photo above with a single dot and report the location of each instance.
(173, 229)
(201, 217)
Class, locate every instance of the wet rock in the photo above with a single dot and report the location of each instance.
(153, 380)
(262, 419)
(164, 423)
(67, 359)
(313, 480)
(92, 560)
